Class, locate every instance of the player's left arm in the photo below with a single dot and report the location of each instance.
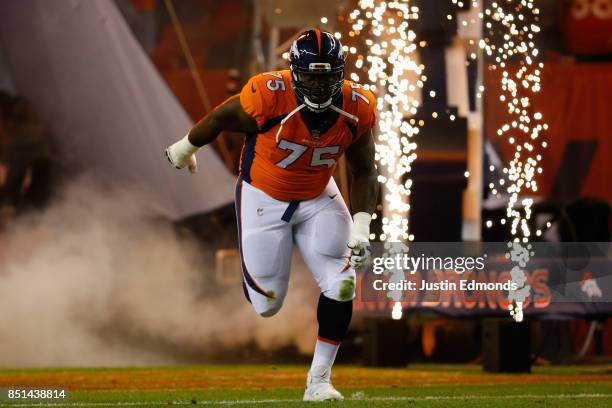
(364, 195)
(361, 163)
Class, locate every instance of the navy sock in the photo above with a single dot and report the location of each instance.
(334, 318)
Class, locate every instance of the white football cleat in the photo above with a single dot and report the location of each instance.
(319, 387)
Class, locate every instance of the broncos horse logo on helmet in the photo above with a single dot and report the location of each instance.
(317, 68)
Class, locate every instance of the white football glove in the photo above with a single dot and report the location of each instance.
(359, 242)
(182, 154)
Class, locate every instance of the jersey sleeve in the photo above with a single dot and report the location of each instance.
(252, 100)
(366, 112)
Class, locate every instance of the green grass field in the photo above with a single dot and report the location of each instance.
(280, 386)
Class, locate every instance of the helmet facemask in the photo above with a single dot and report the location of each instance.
(317, 85)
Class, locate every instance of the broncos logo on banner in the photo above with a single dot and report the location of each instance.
(589, 286)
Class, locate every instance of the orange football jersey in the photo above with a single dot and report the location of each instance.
(297, 166)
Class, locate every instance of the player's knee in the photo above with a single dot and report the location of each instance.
(269, 308)
(270, 312)
(343, 291)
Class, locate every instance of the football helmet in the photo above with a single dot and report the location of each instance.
(317, 68)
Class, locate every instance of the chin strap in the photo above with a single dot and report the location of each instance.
(340, 111)
(293, 112)
(302, 106)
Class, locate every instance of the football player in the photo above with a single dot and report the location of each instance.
(298, 122)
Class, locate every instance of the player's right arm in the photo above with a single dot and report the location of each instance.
(229, 116)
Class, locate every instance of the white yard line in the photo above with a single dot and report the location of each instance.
(290, 401)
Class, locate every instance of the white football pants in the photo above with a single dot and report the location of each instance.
(268, 229)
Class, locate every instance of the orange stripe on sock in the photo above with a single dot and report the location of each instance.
(324, 340)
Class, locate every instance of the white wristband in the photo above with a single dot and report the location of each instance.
(361, 225)
(184, 147)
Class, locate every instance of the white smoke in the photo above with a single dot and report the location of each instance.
(96, 280)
